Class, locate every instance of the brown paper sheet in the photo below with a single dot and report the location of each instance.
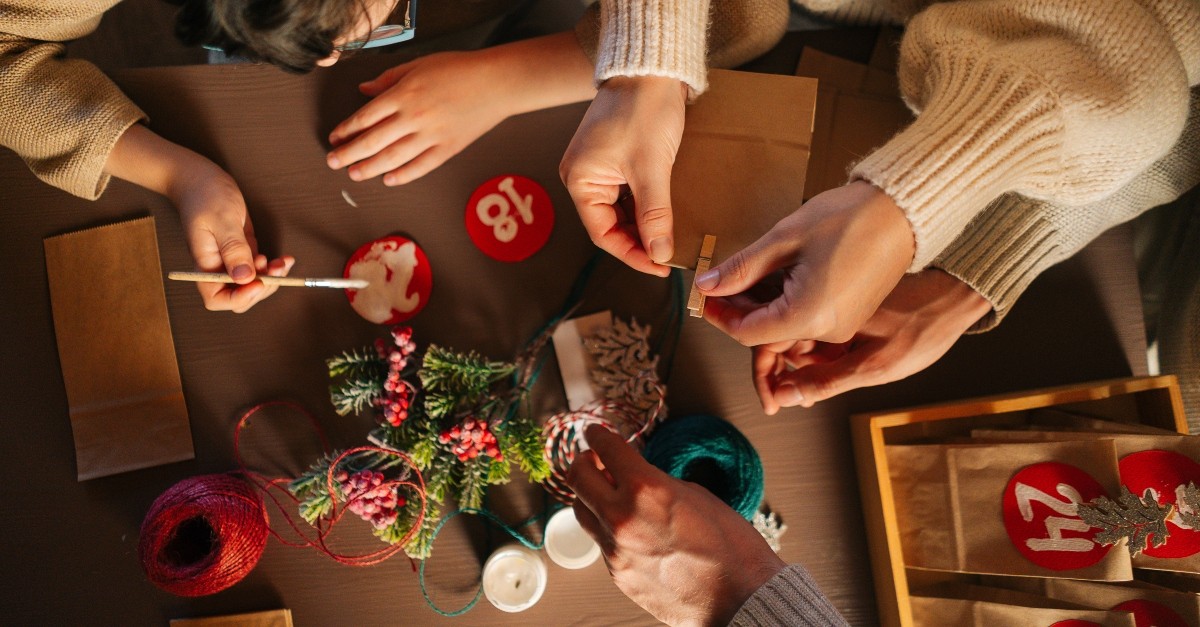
(858, 110)
(271, 618)
(742, 161)
(114, 344)
(949, 505)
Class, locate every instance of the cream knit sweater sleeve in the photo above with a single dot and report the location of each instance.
(1062, 101)
(654, 38)
(61, 116)
(1008, 245)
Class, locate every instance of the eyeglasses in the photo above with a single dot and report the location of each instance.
(388, 34)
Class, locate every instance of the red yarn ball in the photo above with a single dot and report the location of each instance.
(203, 535)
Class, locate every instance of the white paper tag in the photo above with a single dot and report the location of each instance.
(574, 362)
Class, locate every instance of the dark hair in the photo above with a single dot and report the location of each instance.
(292, 34)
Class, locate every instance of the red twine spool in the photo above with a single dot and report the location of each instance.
(203, 535)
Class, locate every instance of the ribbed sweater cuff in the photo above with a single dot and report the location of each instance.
(789, 598)
(984, 130)
(1000, 254)
(654, 38)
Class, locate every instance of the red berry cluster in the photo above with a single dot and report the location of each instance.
(470, 439)
(397, 393)
(369, 498)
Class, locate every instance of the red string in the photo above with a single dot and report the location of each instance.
(324, 527)
(203, 535)
(206, 533)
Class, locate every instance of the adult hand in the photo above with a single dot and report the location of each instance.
(916, 324)
(671, 546)
(423, 113)
(221, 238)
(628, 138)
(816, 275)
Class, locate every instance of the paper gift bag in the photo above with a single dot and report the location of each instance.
(742, 161)
(858, 110)
(1005, 508)
(1168, 466)
(1162, 605)
(114, 344)
(939, 612)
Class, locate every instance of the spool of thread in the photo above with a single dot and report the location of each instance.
(203, 535)
(708, 451)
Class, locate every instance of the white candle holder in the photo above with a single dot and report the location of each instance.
(567, 544)
(514, 578)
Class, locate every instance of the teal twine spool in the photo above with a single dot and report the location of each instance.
(708, 451)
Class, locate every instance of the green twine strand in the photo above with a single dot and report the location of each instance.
(713, 453)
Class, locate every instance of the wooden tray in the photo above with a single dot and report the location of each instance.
(1153, 401)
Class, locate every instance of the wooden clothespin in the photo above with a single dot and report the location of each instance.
(695, 302)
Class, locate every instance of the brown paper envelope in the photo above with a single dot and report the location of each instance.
(114, 344)
(272, 618)
(742, 161)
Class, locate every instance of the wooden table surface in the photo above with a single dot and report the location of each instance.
(69, 548)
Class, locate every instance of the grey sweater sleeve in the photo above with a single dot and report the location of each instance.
(789, 598)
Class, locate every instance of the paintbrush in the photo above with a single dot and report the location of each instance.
(286, 281)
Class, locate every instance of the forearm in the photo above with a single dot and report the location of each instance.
(1062, 100)
(62, 117)
(543, 72)
(146, 159)
(1016, 238)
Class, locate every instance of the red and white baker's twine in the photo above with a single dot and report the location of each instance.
(563, 435)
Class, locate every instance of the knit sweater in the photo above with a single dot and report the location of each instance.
(62, 116)
(1062, 101)
(789, 598)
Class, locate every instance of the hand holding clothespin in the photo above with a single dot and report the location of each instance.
(695, 303)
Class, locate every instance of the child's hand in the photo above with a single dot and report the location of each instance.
(221, 238)
(214, 215)
(423, 113)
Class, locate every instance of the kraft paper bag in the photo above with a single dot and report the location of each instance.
(1166, 464)
(1008, 509)
(939, 612)
(742, 162)
(1072, 421)
(114, 343)
(1168, 606)
(858, 109)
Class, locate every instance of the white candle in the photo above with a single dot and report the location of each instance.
(514, 578)
(567, 544)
